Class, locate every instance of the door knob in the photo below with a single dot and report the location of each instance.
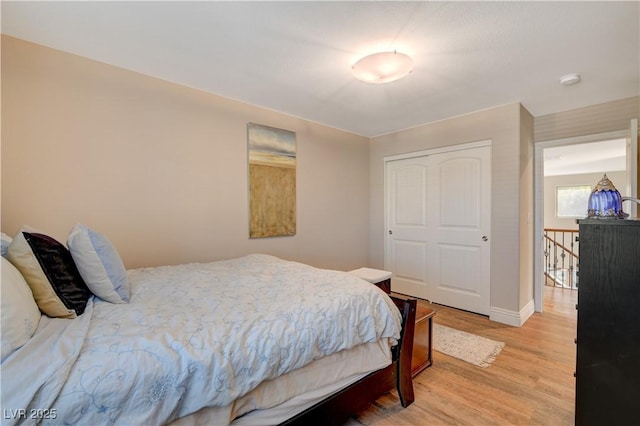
(485, 238)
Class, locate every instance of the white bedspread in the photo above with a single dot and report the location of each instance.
(192, 336)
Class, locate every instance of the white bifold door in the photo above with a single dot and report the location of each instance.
(438, 209)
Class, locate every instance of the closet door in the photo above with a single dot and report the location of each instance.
(407, 216)
(459, 229)
(438, 227)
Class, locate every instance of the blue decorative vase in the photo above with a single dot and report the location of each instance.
(605, 202)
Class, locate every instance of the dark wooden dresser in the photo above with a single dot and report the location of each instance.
(608, 338)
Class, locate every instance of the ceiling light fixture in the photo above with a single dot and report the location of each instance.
(569, 79)
(382, 67)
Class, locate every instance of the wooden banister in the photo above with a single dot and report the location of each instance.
(575, 231)
(569, 251)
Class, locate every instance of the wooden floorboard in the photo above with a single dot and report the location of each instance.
(530, 383)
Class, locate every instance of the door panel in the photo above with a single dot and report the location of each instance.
(410, 195)
(459, 194)
(440, 250)
(406, 250)
(452, 276)
(409, 260)
(460, 283)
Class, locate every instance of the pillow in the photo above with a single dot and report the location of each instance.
(6, 240)
(20, 314)
(48, 268)
(99, 264)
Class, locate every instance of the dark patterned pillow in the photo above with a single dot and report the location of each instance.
(48, 268)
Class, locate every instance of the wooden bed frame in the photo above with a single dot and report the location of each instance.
(336, 409)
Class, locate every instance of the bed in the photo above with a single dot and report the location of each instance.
(253, 340)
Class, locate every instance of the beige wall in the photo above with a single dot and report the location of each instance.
(161, 169)
(509, 128)
(552, 182)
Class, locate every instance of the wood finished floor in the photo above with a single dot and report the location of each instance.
(530, 383)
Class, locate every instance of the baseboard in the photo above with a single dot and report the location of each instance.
(514, 318)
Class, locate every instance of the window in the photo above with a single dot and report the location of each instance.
(572, 201)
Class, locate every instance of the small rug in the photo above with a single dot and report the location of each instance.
(474, 349)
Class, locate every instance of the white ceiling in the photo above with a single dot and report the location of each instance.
(595, 157)
(295, 57)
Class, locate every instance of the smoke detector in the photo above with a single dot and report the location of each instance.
(569, 79)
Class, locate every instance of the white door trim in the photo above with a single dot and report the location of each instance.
(632, 168)
(538, 205)
(433, 151)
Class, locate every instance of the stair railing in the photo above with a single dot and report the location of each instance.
(561, 253)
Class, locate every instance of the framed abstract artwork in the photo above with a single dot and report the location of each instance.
(272, 181)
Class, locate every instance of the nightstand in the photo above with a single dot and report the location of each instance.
(422, 340)
(381, 279)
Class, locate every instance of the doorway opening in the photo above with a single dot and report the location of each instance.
(570, 174)
(566, 171)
